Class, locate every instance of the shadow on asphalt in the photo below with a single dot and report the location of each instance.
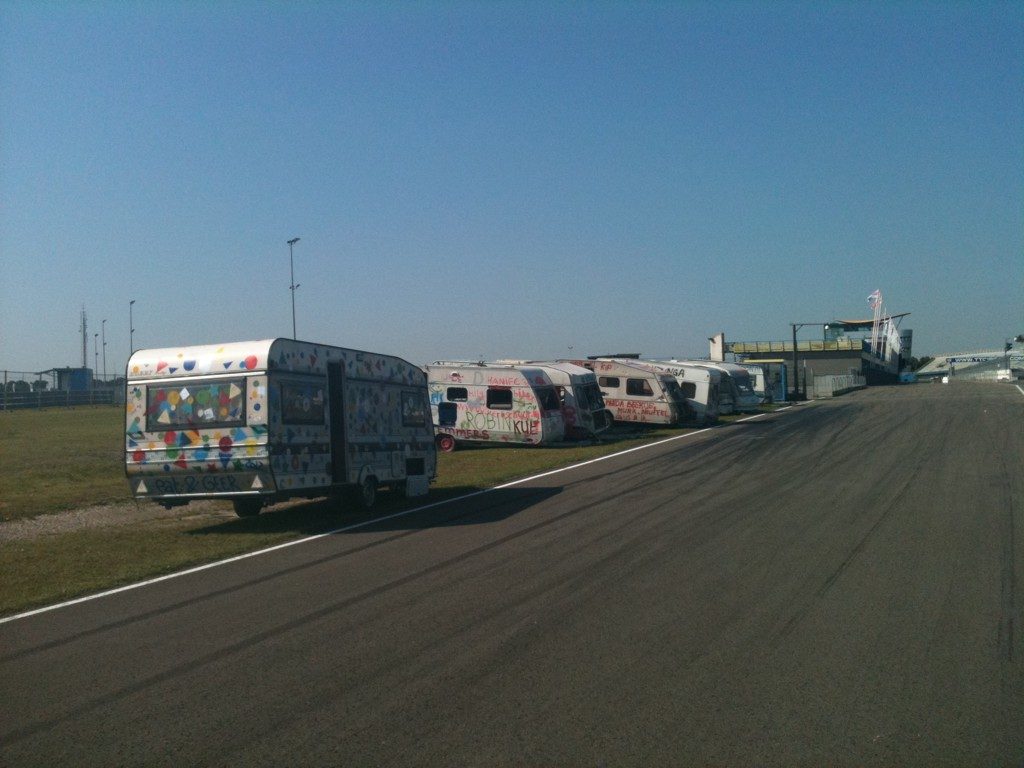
(392, 512)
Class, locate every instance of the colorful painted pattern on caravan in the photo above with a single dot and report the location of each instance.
(635, 392)
(701, 387)
(263, 420)
(493, 403)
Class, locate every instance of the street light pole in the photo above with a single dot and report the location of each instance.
(103, 327)
(293, 286)
(131, 329)
(95, 356)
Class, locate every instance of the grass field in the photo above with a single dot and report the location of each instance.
(62, 459)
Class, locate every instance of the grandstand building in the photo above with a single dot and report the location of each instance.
(983, 364)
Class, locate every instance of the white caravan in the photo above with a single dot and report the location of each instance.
(583, 406)
(759, 381)
(259, 421)
(736, 385)
(701, 386)
(493, 403)
(635, 392)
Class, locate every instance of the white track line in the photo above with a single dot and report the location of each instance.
(355, 526)
(1019, 389)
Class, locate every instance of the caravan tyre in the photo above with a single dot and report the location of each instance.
(445, 443)
(249, 506)
(368, 492)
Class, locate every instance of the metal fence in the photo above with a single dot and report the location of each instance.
(23, 389)
(830, 386)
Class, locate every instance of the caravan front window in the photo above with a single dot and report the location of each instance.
(590, 397)
(675, 392)
(195, 405)
(548, 399)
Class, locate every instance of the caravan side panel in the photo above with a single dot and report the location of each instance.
(387, 424)
(495, 404)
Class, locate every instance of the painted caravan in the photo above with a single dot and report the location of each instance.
(635, 392)
(260, 421)
(701, 387)
(583, 407)
(493, 403)
(736, 385)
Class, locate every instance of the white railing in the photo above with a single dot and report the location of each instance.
(830, 386)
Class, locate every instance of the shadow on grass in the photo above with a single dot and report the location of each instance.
(393, 512)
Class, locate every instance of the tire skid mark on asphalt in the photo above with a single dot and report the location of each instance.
(830, 580)
(230, 650)
(1010, 612)
(252, 582)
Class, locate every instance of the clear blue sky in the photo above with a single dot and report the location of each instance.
(506, 179)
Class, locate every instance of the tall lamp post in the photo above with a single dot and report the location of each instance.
(131, 329)
(796, 372)
(103, 327)
(95, 356)
(293, 286)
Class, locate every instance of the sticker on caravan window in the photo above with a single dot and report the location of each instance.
(414, 412)
(196, 406)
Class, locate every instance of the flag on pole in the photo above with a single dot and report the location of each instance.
(874, 299)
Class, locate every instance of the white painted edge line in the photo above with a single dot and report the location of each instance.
(363, 524)
(1019, 389)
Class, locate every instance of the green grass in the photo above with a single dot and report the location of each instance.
(61, 459)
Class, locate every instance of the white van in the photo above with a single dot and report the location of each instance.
(635, 392)
(493, 403)
(260, 421)
(701, 387)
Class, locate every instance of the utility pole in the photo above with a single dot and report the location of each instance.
(293, 286)
(85, 341)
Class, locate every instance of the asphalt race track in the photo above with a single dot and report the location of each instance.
(839, 583)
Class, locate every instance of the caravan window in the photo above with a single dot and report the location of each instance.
(499, 399)
(447, 414)
(548, 399)
(638, 387)
(609, 381)
(195, 405)
(302, 403)
(414, 412)
(589, 396)
(457, 394)
(689, 389)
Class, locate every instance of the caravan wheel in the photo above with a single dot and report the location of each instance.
(445, 443)
(248, 506)
(368, 492)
